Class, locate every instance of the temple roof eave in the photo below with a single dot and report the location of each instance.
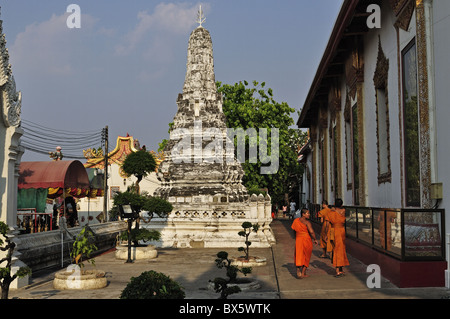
(351, 22)
(125, 145)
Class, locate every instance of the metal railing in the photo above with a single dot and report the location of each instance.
(29, 221)
(405, 234)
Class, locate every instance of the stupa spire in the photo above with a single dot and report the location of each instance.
(200, 175)
(200, 80)
(200, 16)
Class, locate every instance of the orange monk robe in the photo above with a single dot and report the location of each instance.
(339, 254)
(325, 232)
(303, 243)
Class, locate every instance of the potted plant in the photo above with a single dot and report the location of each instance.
(137, 237)
(76, 276)
(5, 272)
(248, 260)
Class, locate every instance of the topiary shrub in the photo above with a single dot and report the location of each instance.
(221, 284)
(152, 285)
(248, 228)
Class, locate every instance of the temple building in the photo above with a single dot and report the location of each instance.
(11, 152)
(377, 118)
(200, 175)
(91, 208)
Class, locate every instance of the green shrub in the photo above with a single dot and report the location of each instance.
(83, 247)
(152, 285)
(140, 234)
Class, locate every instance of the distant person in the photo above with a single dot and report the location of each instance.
(71, 211)
(284, 210)
(337, 220)
(303, 243)
(292, 209)
(325, 243)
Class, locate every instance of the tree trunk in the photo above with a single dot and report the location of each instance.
(5, 288)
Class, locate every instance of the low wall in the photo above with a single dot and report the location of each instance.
(214, 223)
(404, 274)
(51, 249)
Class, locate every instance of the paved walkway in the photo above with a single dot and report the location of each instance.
(194, 267)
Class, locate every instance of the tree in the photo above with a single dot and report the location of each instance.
(140, 203)
(255, 107)
(5, 272)
(139, 164)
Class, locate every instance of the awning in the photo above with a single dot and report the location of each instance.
(41, 180)
(53, 174)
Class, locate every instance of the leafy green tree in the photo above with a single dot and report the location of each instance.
(139, 164)
(254, 107)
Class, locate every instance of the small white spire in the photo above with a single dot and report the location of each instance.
(200, 17)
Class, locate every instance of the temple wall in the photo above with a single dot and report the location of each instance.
(215, 224)
(51, 249)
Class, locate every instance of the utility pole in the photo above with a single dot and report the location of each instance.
(105, 184)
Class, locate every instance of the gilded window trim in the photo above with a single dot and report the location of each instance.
(405, 13)
(334, 105)
(380, 80)
(424, 105)
(347, 120)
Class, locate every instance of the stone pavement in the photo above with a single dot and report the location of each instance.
(194, 267)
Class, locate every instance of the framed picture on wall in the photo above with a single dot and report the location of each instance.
(114, 190)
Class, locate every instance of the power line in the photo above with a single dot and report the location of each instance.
(41, 139)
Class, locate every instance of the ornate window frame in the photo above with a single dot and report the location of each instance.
(380, 81)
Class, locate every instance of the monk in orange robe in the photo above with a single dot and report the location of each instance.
(325, 231)
(303, 243)
(337, 220)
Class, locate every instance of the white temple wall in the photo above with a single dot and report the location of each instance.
(387, 194)
(94, 206)
(441, 40)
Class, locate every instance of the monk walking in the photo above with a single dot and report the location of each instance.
(337, 220)
(303, 243)
(325, 231)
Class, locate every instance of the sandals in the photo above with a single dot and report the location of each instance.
(339, 275)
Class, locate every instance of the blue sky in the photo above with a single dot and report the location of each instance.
(126, 64)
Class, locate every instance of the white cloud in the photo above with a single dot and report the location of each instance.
(50, 47)
(167, 20)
